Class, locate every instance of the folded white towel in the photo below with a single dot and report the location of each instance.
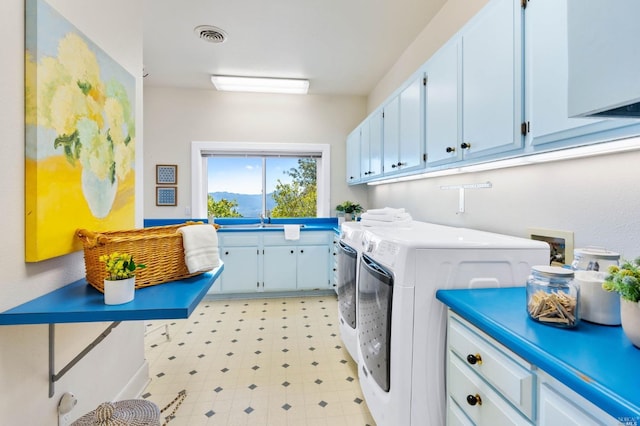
(391, 217)
(200, 244)
(291, 232)
(407, 223)
(385, 211)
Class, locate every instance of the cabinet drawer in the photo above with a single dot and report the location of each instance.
(455, 415)
(490, 409)
(510, 375)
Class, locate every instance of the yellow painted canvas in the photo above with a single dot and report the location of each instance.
(80, 136)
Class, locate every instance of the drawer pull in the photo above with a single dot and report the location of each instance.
(474, 399)
(473, 359)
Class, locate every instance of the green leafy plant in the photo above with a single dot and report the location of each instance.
(120, 266)
(349, 207)
(624, 279)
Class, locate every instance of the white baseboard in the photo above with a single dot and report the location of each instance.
(138, 383)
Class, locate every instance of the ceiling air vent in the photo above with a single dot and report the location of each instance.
(210, 33)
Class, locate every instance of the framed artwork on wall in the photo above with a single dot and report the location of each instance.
(80, 136)
(166, 174)
(166, 196)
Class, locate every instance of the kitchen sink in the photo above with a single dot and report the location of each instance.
(255, 226)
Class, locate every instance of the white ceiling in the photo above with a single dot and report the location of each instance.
(341, 46)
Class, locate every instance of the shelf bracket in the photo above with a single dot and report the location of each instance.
(53, 376)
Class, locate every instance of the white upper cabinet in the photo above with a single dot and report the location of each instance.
(604, 57)
(403, 141)
(391, 135)
(353, 156)
(443, 106)
(547, 71)
(501, 88)
(371, 147)
(492, 80)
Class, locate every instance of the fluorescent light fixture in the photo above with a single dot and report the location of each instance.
(260, 84)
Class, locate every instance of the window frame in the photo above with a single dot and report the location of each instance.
(199, 168)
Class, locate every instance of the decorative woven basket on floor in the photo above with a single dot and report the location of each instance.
(158, 247)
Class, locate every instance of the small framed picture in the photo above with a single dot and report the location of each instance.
(166, 196)
(166, 174)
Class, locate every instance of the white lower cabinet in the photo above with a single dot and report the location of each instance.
(311, 267)
(334, 262)
(241, 272)
(491, 385)
(280, 272)
(265, 261)
(487, 384)
(297, 265)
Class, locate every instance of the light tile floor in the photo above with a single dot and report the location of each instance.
(275, 362)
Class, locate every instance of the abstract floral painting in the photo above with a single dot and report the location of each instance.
(80, 136)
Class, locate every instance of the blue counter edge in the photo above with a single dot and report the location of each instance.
(79, 302)
(579, 381)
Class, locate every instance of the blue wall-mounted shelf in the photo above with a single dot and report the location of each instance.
(79, 302)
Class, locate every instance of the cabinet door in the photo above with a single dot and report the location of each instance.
(412, 126)
(313, 267)
(556, 410)
(353, 156)
(604, 57)
(442, 110)
(279, 268)
(240, 273)
(375, 144)
(547, 74)
(365, 136)
(492, 80)
(391, 138)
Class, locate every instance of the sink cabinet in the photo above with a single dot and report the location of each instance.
(240, 256)
(296, 265)
(258, 261)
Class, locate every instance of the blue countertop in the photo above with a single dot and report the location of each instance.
(245, 224)
(596, 361)
(79, 302)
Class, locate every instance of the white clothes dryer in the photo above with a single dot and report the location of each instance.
(401, 325)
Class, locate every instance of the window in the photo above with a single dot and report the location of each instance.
(271, 185)
(260, 178)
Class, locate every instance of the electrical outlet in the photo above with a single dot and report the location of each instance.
(560, 244)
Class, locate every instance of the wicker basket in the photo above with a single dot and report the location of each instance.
(158, 247)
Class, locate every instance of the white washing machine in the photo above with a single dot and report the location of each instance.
(401, 325)
(349, 253)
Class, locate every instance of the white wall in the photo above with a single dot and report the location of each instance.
(176, 117)
(449, 19)
(597, 198)
(24, 353)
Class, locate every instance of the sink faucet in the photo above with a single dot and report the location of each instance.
(264, 218)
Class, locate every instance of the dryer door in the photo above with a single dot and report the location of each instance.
(347, 269)
(375, 296)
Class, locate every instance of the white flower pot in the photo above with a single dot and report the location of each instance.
(119, 291)
(630, 316)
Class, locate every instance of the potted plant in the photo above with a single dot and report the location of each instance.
(119, 286)
(625, 280)
(349, 208)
